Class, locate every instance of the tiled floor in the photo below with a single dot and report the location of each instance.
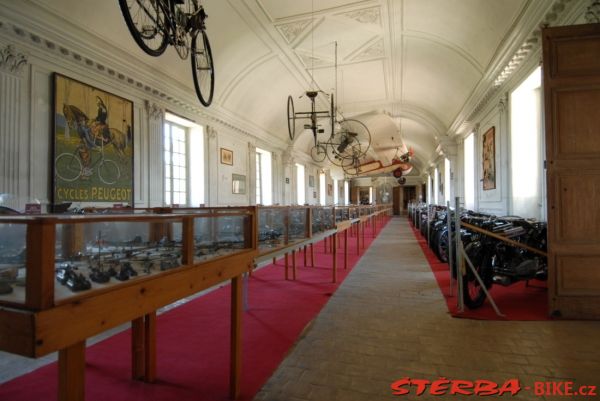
(388, 320)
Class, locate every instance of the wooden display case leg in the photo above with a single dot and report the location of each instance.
(286, 266)
(334, 252)
(236, 338)
(293, 264)
(345, 249)
(325, 244)
(331, 243)
(150, 346)
(274, 260)
(312, 256)
(71, 373)
(363, 236)
(138, 360)
(304, 255)
(357, 239)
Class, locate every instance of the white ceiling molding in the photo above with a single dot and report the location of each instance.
(292, 30)
(372, 50)
(513, 52)
(371, 15)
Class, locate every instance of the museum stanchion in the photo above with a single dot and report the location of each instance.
(460, 267)
(451, 251)
(463, 261)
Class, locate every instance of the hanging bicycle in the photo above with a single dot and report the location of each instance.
(155, 24)
(313, 115)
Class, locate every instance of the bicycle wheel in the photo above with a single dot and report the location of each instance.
(291, 116)
(203, 69)
(318, 153)
(108, 171)
(146, 22)
(67, 167)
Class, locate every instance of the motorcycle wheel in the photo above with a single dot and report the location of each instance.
(473, 294)
(442, 245)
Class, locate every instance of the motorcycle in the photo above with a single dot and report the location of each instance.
(498, 262)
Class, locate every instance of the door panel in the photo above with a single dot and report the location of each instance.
(572, 105)
(572, 55)
(576, 113)
(577, 275)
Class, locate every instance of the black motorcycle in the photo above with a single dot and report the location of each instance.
(498, 262)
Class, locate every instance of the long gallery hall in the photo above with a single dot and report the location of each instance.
(299, 200)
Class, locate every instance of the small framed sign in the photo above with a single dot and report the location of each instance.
(226, 156)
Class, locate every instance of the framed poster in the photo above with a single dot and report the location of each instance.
(329, 189)
(489, 159)
(92, 144)
(311, 181)
(238, 183)
(226, 156)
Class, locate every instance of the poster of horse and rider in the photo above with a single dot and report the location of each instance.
(93, 144)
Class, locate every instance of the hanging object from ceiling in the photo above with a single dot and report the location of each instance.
(311, 116)
(376, 167)
(156, 24)
(345, 147)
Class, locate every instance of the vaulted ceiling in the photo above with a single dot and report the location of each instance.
(410, 69)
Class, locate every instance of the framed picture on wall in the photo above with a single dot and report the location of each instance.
(489, 159)
(311, 181)
(92, 144)
(238, 184)
(226, 156)
(329, 189)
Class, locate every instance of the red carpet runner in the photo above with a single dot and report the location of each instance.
(516, 302)
(193, 340)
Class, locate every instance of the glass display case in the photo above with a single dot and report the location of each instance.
(298, 223)
(342, 213)
(322, 219)
(80, 254)
(272, 227)
(13, 261)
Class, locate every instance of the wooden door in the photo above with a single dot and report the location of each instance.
(410, 195)
(396, 198)
(572, 109)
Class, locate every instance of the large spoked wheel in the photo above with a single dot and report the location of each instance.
(203, 69)
(146, 22)
(473, 293)
(109, 172)
(318, 153)
(291, 117)
(68, 167)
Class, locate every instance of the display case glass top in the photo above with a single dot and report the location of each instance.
(80, 255)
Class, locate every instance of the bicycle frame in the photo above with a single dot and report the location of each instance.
(193, 23)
